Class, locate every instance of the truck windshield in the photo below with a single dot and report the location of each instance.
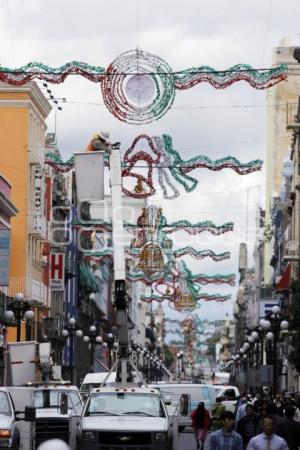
(4, 404)
(49, 398)
(122, 403)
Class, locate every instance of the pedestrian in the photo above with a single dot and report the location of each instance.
(271, 411)
(290, 429)
(216, 412)
(247, 427)
(279, 405)
(201, 423)
(241, 411)
(226, 438)
(267, 440)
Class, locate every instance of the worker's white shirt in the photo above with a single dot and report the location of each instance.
(263, 442)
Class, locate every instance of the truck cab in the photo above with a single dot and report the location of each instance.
(50, 422)
(124, 417)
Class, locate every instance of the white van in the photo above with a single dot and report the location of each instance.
(197, 392)
(230, 396)
(94, 380)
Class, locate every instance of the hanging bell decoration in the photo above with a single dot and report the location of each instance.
(151, 259)
(185, 302)
(138, 189)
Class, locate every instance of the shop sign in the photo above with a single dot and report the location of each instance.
(57, 271)
(4, 257)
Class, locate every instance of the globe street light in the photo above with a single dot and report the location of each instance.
(19, 309)
(70, 331)
(93, 339)
(277, 325)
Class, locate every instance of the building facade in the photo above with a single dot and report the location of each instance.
(23, 111)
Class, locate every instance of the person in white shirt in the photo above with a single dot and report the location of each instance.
(267, 440)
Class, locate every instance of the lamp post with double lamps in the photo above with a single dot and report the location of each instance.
(277, 326)
(69, 332)
(93, 338)
(110, 344)
(18, 310)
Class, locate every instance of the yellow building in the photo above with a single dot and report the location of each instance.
(280, 99)
(23, 111)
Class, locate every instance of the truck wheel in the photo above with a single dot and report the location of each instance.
(181, 428)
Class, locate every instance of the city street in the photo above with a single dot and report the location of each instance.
(149, 224)
(187, 441)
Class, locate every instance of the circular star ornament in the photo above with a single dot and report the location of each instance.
(139, 87)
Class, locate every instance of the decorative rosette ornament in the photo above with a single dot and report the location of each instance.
(139, 87)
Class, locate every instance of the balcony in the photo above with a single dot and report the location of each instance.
(33, 290)
(293, 116)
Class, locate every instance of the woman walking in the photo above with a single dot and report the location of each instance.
(201, 423)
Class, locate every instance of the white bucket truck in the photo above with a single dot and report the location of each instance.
(57, 405)
(125, 415)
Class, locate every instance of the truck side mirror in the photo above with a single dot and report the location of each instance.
(63, 403)
(168, 400)
(30, 414)
(184, 404)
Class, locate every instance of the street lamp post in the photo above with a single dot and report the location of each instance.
(277, 325)
(110, 343)
(69, 332)
(93, 339)
(19, 309)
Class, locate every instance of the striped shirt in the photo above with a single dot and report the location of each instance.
(264, 442)
(220, 440)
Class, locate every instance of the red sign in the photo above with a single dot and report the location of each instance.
(57, 271)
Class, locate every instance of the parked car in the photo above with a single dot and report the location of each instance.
(9, 433)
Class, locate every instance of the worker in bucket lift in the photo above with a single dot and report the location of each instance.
(99, 141)
(53, 444)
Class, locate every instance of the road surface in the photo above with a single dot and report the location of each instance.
(187, 441)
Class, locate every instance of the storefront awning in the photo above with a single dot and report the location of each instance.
(284, 281)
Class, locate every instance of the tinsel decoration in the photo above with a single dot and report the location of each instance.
(55, 75)
(167, 161)
(185, 251)
(180, 225)
(139, 87)
(199, 255)
(258, 79)
(160, 277)
(204, 296)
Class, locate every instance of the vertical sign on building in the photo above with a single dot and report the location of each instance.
(4, 257)
(57, 271)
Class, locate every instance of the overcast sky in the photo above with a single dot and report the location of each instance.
(219, 33)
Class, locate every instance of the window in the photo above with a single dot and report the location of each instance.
(229, 394)
(121, 403)
(5, 407)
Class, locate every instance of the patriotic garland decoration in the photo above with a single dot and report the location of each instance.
(199, 255)
(204, 296)
(139, 87)
(201, 278)
(185, 251)
(168, 228)
(168, 163)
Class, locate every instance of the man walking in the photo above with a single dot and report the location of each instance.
(226, 438)
(247, 427)
(290, 429)
(267, 440)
